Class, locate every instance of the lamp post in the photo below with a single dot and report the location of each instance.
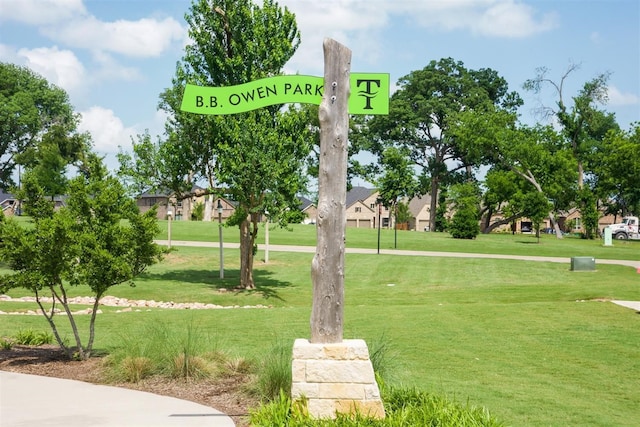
(266, 238)
(379, 225)
(220, 238)
(169, 214)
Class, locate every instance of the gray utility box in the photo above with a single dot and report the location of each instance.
(583, 263)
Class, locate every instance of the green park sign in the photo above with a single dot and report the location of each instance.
(369, 94)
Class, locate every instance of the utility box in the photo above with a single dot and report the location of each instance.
(583, 263)
(607, 236)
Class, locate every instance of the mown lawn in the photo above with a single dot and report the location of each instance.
(533, 342)
(519, 244)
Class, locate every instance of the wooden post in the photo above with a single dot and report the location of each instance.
(327, 267)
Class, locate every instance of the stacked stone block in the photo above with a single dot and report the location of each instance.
(335, 378)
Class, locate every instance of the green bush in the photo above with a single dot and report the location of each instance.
(403, 407)
(274, 373)
(185, 355)
(382, 358)
(464, 224)
(31, 337)
(6, 344)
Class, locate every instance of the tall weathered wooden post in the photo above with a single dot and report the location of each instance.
(327, 268)
(330, 374)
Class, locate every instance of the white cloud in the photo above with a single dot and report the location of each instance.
(110, 69)
(617, 98)
(359, 24)
(38, 12)
(106, 129)
(60, 67)
(511, 19)
(142, 38)
(493, 18)
(352, 23)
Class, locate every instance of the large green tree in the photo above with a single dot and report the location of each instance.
(423, 113)
(38, 128)
(617, 171)
(99, 239)
(584, 126)
(537, 155)
(255, 158)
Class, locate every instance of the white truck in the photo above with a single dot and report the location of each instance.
(627, 229)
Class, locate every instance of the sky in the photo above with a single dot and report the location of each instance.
(114, 57)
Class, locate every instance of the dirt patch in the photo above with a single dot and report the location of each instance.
(225, 394)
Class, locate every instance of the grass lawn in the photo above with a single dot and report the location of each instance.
(528, 340)
(519, 244)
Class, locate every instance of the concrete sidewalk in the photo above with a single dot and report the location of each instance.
(29, 400)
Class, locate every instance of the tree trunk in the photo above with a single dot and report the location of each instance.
(247, 240)
(433, 205)
(208, 208)
(580, 175)
(493, 226)
(327, 267)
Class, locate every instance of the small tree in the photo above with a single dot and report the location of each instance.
(464, 224)
(99, 240)
(535, 206)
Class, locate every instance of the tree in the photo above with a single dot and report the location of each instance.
(99, 239)
(34, 112)
(256, 157)
(535, 207)
(504, 190)
(397, 182)
(617, 171)
(423, 113)
(583, 126)
(465, 199)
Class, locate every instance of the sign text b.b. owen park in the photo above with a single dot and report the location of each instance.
(369, 94)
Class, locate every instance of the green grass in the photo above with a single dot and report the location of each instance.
(519, 244)
(527, 340)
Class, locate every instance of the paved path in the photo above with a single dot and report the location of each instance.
(312, 249)
(31, 401)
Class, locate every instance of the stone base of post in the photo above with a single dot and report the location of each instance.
(335, 378)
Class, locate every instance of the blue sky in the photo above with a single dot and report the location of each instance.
(114, 57)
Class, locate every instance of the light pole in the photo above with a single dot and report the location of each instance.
(379, 225)
(220, 238)
(169, 214)
(266, 238)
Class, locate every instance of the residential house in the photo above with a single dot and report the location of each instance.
(8, 203)
(167, 203)
(363, 209)
(420, 213)
(309, 209)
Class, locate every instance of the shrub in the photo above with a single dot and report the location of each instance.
(31, 337)
(188, 366)
(6, 344)
(134, 369)
(403, 406)
(164, 352)
(381, 357)
(464, 224)
(274, 373)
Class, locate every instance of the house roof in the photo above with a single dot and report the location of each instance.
(357, 194)
(305, 203)
(6, 196)
(417, 203)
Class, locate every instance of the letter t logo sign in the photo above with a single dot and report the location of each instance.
(367, 93)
